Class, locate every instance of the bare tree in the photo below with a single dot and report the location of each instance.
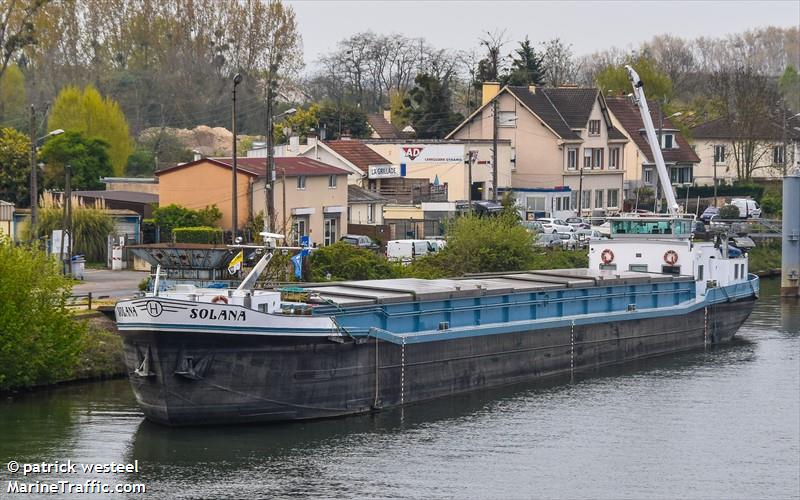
(559, 63)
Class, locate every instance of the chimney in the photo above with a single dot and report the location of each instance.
(294, 143)
(532, 89)
(345, 136)
(197, 155)
(311, 140)
(490, 89)
(387, 115)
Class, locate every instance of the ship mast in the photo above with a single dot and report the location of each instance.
(652, 139)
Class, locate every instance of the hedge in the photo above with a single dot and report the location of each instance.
(744, 190)
(202, 234)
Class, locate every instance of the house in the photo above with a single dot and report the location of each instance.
(639, 164)
(6, 218)
(310, 197)
(461, 169)
(726, 154)
(364, 207)
(559, 137)
(382, 127)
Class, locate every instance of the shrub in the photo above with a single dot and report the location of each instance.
(733, 190)
(172, 216)
(772, 204)
(90, 229)
(40, 341)
(347, 262)
(200, 234)
(729, 212)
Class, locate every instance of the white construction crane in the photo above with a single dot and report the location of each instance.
(652, 139)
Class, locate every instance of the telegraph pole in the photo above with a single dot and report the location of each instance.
(269, 182)
(494, 150)
(237, 79)
(67, 222)
(34, 188)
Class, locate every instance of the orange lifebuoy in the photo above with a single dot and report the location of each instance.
(219, 298)
(671, 257)
(607, 256)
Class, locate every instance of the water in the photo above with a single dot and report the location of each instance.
(724, 423)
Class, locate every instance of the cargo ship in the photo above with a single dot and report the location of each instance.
(201, 356)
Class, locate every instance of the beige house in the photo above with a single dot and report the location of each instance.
(723, 156)
(364, 207)
(447, 163)
(6, 218)
(639, 164)
(310, 197)
(558, 137)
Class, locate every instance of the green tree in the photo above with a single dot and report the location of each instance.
(13, 103)
(526, 68)
(90, 227)
(40, 341)
(88, 158)
(163, 146)
(789, 85)
(430, 107)
(174, 216)
(347, 118)
(302, 124)
(657, 84)
(14, 167)
(347, 262)
(141, 163)
(96, 117)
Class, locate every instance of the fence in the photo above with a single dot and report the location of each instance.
(80, 300)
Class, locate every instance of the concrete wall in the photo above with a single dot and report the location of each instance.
(206, 184)
(139, 187)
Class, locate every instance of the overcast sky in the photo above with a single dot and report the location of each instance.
(588, 26)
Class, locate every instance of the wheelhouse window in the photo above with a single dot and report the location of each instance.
(594, 127)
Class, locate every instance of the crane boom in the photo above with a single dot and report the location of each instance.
(652, 139)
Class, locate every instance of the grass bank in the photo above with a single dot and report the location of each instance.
(765, 257)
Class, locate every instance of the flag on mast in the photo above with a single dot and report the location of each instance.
(236, 263)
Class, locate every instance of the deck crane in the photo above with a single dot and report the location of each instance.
(653, 140)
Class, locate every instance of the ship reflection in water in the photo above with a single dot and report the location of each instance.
(720, 423)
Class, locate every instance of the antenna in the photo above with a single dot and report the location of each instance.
(652, 139)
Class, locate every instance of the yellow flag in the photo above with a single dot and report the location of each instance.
(236, 262)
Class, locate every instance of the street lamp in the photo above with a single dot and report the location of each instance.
(34, 187)
(237, 79)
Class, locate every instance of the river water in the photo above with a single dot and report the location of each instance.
(722, 423)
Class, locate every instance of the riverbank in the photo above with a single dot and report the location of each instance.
(765, 259)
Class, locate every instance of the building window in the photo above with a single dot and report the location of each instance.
(647, 176)
(668, 141)
(371, 213)
(594, 127)
(332, 181)
(593, 158)
(513, 158)
(778, 155)
(506, 119)
(330, 231)
(598, 159)
(598, 198)
(719, 154)
(572, 158)
(680, 175)
(301, 182)
(299, 229)
(613, 198)
(573, 200)
(613, 158)
(587, 157)
(536, 203)
(586, 200)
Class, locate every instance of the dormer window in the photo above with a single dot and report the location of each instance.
(668, 141)
(594, 127)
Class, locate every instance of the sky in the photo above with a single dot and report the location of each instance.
(588, 26)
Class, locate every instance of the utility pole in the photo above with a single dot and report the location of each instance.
(494, 150)
(580, 191)
(67, 222)
(469, 173)
(237, 79)
(283, 208)
(715, 182)
(34, 187)
(269, 182)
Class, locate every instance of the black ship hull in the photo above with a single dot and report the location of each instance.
(213, 378)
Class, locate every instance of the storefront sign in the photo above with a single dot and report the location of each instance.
(432, 153)
(385, 171)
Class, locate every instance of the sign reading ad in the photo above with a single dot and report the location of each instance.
(432, 153)
(384, 171)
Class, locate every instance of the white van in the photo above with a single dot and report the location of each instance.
(748, 209)
(407, 250)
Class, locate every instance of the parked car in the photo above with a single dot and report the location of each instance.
(708, 213)
(548, 240)
(359, 241)
(437, 243)
(579, 222)
(748, 209)
(569, 241)
(533, 226)
(586, 235)
(407, 250)
(556, 225)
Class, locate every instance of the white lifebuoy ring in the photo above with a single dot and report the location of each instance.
(218, 299)
(607, 256)
(671, 257)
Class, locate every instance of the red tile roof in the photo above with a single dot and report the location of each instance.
(383, 127)
(292, 166)
(357, 153)
(628, 115)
